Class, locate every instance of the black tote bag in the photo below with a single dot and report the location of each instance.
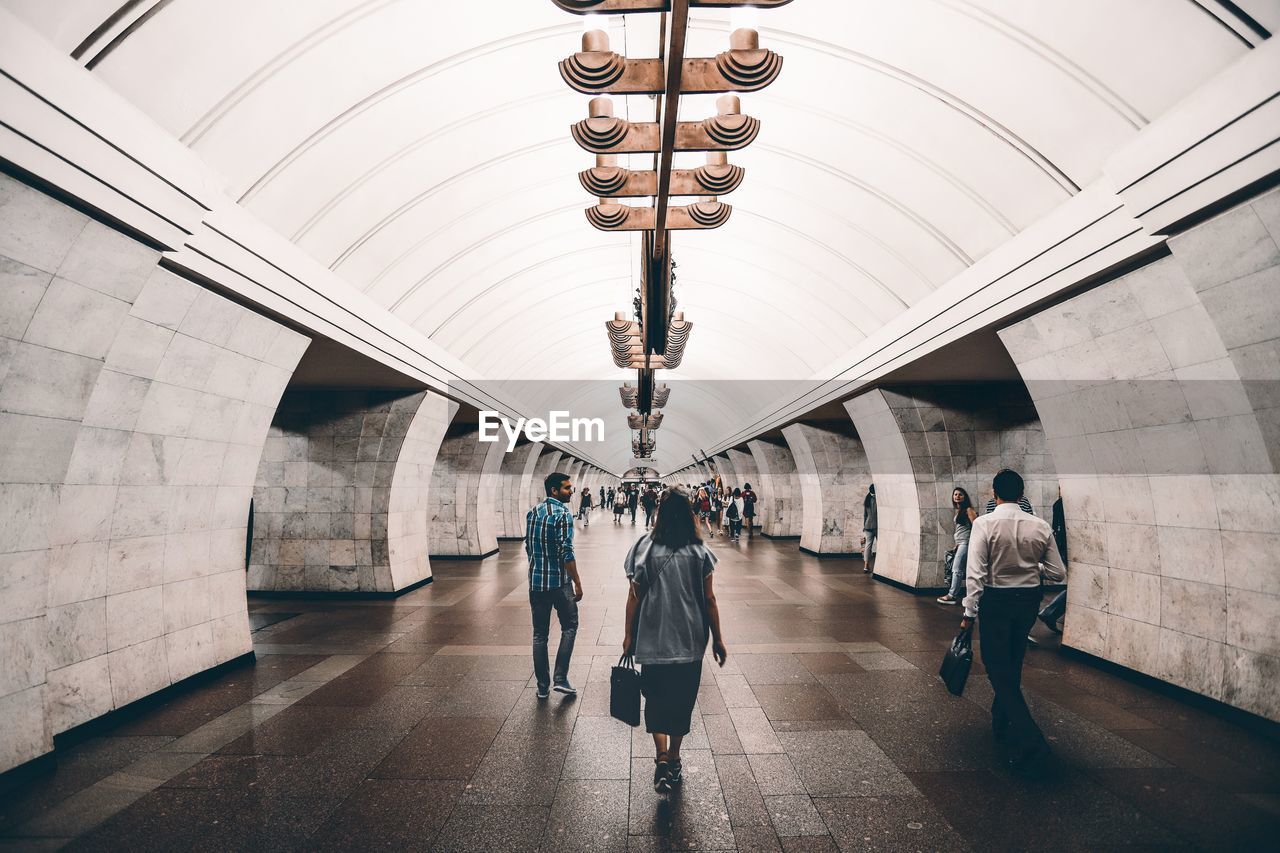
(958, 660)
(624, 692)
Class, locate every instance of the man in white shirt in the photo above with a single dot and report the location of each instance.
(1009, 552)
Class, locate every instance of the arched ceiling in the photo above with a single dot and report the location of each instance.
(420, 149)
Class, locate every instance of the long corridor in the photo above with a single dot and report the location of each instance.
(413, 724)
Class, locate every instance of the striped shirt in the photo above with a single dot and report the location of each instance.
(1023, 504)
(548, 541)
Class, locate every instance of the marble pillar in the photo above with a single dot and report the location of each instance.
(517, 490)
(462, 514)
(834, 476)
(341, 498)
(780, 505)
(1157, 391)
(133, 409)
(922, 441)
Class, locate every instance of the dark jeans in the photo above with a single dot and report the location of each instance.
(567, 611)
(735, 527)
(1004, 618)
(633, 515)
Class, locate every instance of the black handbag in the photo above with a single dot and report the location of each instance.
(624, 692)
(958, 660)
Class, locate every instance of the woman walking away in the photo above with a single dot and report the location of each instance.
(964, 513)
(619, 507)
(869, 524)
(670, 607)
(703, 505)
(584, 508)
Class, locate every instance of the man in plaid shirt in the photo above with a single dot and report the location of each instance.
(548, 542)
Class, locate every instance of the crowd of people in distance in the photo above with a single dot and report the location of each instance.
(717, 507)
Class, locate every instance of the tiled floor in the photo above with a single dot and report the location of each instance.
(412, 724)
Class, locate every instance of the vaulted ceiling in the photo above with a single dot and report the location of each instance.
(420, 149)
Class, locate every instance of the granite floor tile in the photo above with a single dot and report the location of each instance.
(774, 775)
(754, 731)
(888, 823)
(794, 815)
(797, 702)
(741, 793)
(441, 748)
(843, 764)
(474, 827)
(588, 816)
(231, 771)
(388, 814)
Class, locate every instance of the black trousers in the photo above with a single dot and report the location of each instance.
(1004, 618)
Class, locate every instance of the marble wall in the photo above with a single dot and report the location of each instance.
(780, 508)
(133, 406)
(465, 484)
(923, 441)
(341, 492)
(834, 476)
(1158, 393)
(516, 491)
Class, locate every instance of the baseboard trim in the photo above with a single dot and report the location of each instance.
(452, 557)
(1245, 719)
(830, 554)
(914, 590)
(319, 594)
(779, 538)
(510, 538)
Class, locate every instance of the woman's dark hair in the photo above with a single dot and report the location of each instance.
(962, 511)
(675, 525)
(737, 493)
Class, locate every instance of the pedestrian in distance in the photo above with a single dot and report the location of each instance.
(553, 581)
(749, 509)
(870, 521)
(633, 500)
(963, 515)
(733, 514)
(584, 506)
(619, 507)
(649, 502)
(1010, 553)
(671, 607)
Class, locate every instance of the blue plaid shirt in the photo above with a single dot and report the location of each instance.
(548, 540)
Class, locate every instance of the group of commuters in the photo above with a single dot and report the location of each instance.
(671, 610)
(720, 506)
(1002, 557)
